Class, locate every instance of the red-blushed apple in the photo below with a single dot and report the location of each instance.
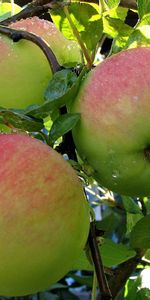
(67, 51)
(25, 71)
(44, 217)
(113, 135)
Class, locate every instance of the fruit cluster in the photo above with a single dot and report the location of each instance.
(44, 216)
(27, 72)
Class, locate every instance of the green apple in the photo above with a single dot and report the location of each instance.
(44, 216)
(113, 135)
(25, 71)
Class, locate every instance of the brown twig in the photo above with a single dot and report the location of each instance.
(129, 4)
(124, 271)
(36, 8)
(78, 37)
(67, 145)
(27, 12)
(99, 269)
(17, 35)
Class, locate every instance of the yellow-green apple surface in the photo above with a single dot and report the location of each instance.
(25, 71)
(113, 135)
(44, 217)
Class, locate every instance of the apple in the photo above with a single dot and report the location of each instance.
(113, 136)
(44, 216)
(25, 71)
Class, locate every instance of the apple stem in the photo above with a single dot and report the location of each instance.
(99, 269)
(77, 35)
(17, 35)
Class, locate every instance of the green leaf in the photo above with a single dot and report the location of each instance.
(138, 289)
(143, 7)
(4, 128)
(132, 219)
(112, 3)
(147, 255)
(108, 224)
(6, 10)
(140, 234)
(58, 285)
(143, 294)
(61, 89)
(114, 27)
(21, 121)
(139, 37)
(147, 204)
(120, 41)
(112, 255)
(59, 85)
(83, 262)
(132, 287)
(86, 17)
(130, 205)
(117, 13)
(62, 125)
(144, 21)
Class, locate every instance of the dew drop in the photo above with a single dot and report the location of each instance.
(135, 98)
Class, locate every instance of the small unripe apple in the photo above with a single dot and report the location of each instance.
(25, 71)
(113, 135)
(44, 217)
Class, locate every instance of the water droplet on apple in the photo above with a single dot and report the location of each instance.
(135, 98)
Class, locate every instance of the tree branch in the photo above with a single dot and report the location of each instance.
(99, 269)
(129, 4)
(17, 35)
(118, 280)
(38, 7)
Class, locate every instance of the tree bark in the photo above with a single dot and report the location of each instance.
(129, 3)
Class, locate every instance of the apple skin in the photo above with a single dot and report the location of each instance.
(67, 52)
(44, 216)
(113, 135)
(25, 69)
